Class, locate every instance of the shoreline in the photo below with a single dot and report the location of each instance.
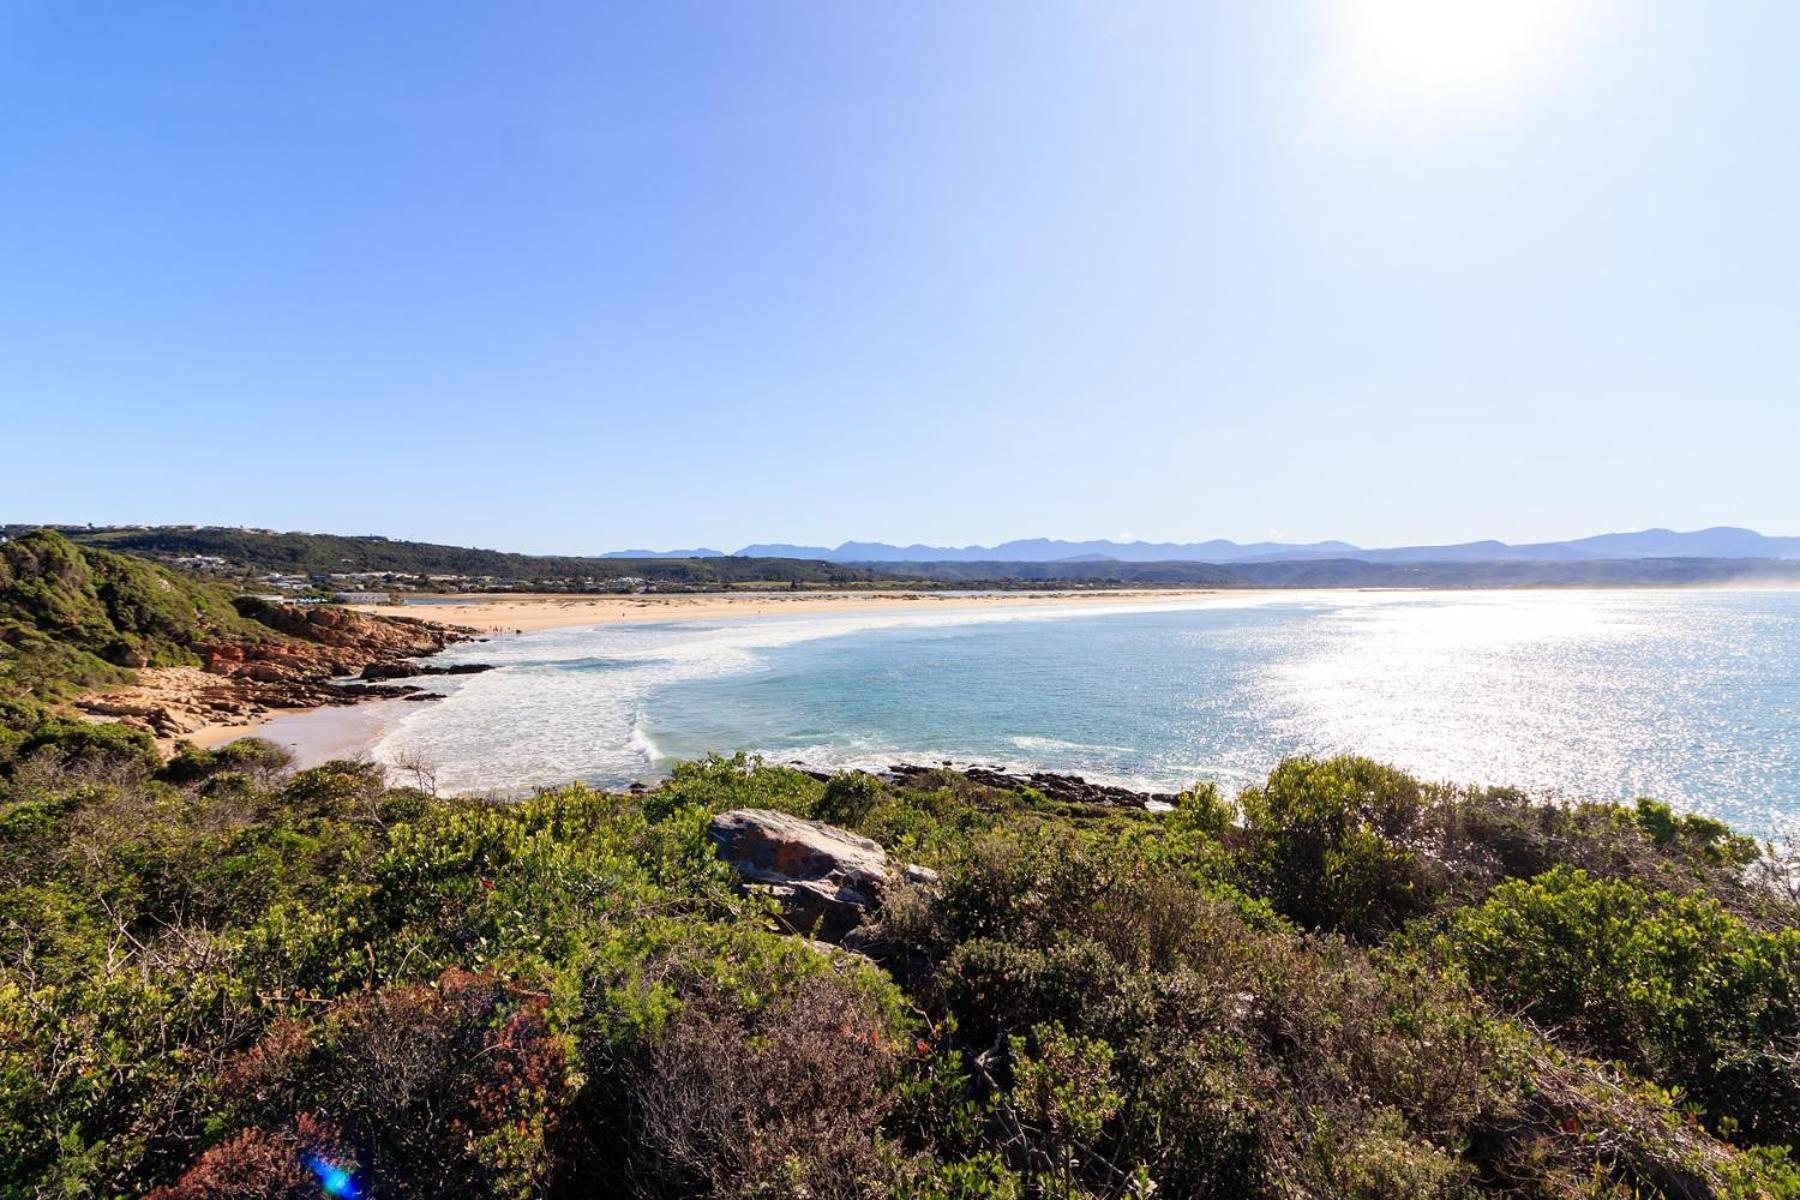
(213, 734)
(313, 658)
(527, 612)
(520, 612)
(513, 613)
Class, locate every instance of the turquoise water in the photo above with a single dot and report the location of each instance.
(1693, 696)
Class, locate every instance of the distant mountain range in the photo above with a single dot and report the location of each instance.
(1653, 558)
(1719, 542)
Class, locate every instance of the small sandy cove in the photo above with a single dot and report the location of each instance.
(507, 613)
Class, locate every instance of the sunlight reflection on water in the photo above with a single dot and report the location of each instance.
(1692, 696)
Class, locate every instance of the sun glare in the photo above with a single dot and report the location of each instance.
(1435, 49)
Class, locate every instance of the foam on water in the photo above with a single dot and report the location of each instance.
(570, 703)
(1058, 746)
(1693, 696)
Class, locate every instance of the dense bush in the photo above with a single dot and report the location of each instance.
(848, 798)
(1675, 986)
(219, 977)
(73, 618)
(259, 759)
(1335, 844)
(783, 1096)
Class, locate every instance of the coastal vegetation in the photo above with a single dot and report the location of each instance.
(222, 977)
(219, 978)
(71, 619)
(250, 552)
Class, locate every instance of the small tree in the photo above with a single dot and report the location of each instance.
(1329, 843)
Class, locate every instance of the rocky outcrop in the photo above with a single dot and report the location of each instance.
(391, 670)
(1069, 789)
(829, 881)
(309, 648)
(172, 702)
(406, 670)
(323, 643)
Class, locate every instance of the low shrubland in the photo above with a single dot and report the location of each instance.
(220, 977)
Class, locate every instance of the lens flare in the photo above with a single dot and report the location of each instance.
(333, 1179)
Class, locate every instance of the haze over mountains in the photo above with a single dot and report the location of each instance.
(1718, 542)
(1653, 558)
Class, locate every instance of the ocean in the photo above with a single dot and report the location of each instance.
(1689, 696)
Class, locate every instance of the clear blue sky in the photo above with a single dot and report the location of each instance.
(569, 277)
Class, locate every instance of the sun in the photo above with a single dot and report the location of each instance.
(1442, 49)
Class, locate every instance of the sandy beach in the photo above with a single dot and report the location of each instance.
(343, 729)
(521, 613)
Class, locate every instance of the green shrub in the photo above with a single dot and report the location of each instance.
(1673, 985)
(207, 975)
(741, 781)
(89, 744)
(1387, 1162)
(250, 756)
(1333, 844)
(1695, 835)
(849, 798)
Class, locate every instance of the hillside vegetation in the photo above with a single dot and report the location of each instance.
(319, 553)
(73, 618)
(78, 623)
(220, 979)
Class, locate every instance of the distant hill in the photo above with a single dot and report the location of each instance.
(1049, 550)
(700, 552)
(1612, 572)
(263, 550)
(1011, 574)
(1721, 542)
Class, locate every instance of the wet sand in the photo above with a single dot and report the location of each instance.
(316, 735)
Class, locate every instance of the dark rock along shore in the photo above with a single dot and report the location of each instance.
(1069, 789)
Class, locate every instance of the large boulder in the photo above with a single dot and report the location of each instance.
(827, 879)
